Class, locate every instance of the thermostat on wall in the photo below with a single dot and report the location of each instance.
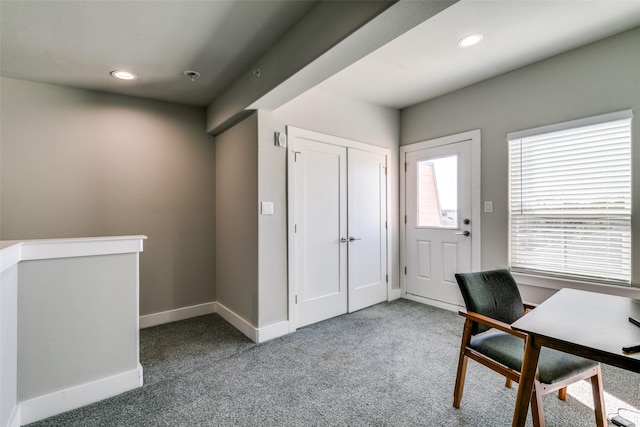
(281, 139)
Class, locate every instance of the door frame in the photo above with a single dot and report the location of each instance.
(292, 134)
(476, 205)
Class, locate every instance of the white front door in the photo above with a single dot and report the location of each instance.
(439, 223)
(338, 234)
(320, 224)
(367, 205)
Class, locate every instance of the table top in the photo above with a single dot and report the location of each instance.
(589, 324)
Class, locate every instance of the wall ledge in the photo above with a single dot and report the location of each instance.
(15, 251)
(557, 284)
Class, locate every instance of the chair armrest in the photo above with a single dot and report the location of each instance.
(493, 323)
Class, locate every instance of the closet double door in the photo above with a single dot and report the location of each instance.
(338, 238)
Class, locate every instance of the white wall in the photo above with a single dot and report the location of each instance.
(80, 163)
(596, 79)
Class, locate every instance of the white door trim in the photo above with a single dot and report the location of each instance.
(476, 202)
(292, 134)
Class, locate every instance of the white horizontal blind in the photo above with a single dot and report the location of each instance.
(570, 202)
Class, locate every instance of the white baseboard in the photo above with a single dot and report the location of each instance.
(433, 302)
(238, 322)
(273, 331)
(394, 294)
(14, 419)
(61, 401)
(257, 335)
(177, 314)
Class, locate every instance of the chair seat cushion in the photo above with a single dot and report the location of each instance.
(508, 350)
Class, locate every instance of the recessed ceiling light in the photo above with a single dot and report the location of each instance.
(123, 75)
(470, 40)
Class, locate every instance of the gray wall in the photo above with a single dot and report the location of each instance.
(237, 219)
(272, 234)
(76, 321)
(596, 79)
(79, 163)
(8, 343)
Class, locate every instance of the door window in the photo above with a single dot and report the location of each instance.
(438, 192)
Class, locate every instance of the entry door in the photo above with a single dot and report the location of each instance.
(338, 240)
(320, 223)
(439, 226)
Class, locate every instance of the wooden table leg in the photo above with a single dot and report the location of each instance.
(527, 376)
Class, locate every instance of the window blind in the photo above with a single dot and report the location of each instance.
(570, 200)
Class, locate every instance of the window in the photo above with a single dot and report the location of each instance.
(570, 199)
(438, 192)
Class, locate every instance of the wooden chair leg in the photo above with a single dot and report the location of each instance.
(460, 376)
(598, 398)
(462, 364)
(562, 393)
(508, 383)
(537, 413)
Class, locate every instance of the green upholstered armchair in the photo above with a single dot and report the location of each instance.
(493, 302)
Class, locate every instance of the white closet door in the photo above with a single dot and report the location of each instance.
(338, 238)
(320, 223)
(367, 206)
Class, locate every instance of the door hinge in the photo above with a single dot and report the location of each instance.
(405, 270)
(405, 166)
(295, 228)
(296, 299)
(386, 278)
(405, 219)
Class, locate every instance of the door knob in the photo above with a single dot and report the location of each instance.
(464, 233)
(343, 240)
(351, 238)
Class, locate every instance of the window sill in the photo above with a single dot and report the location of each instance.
(557, 284)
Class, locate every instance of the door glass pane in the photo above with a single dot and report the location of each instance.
(438, 192)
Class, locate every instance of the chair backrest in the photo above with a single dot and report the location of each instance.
(493, 294)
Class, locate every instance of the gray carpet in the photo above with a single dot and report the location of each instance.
(388, 365)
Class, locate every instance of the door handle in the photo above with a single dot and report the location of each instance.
(465, 233)
(351, 238)
(343, 240)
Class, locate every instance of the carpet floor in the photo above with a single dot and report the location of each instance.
(392, 364)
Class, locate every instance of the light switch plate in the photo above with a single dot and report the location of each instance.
(488, 206)
(266, 208)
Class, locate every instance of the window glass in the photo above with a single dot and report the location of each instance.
(438, 192)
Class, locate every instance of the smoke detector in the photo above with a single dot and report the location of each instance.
(193, 75)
